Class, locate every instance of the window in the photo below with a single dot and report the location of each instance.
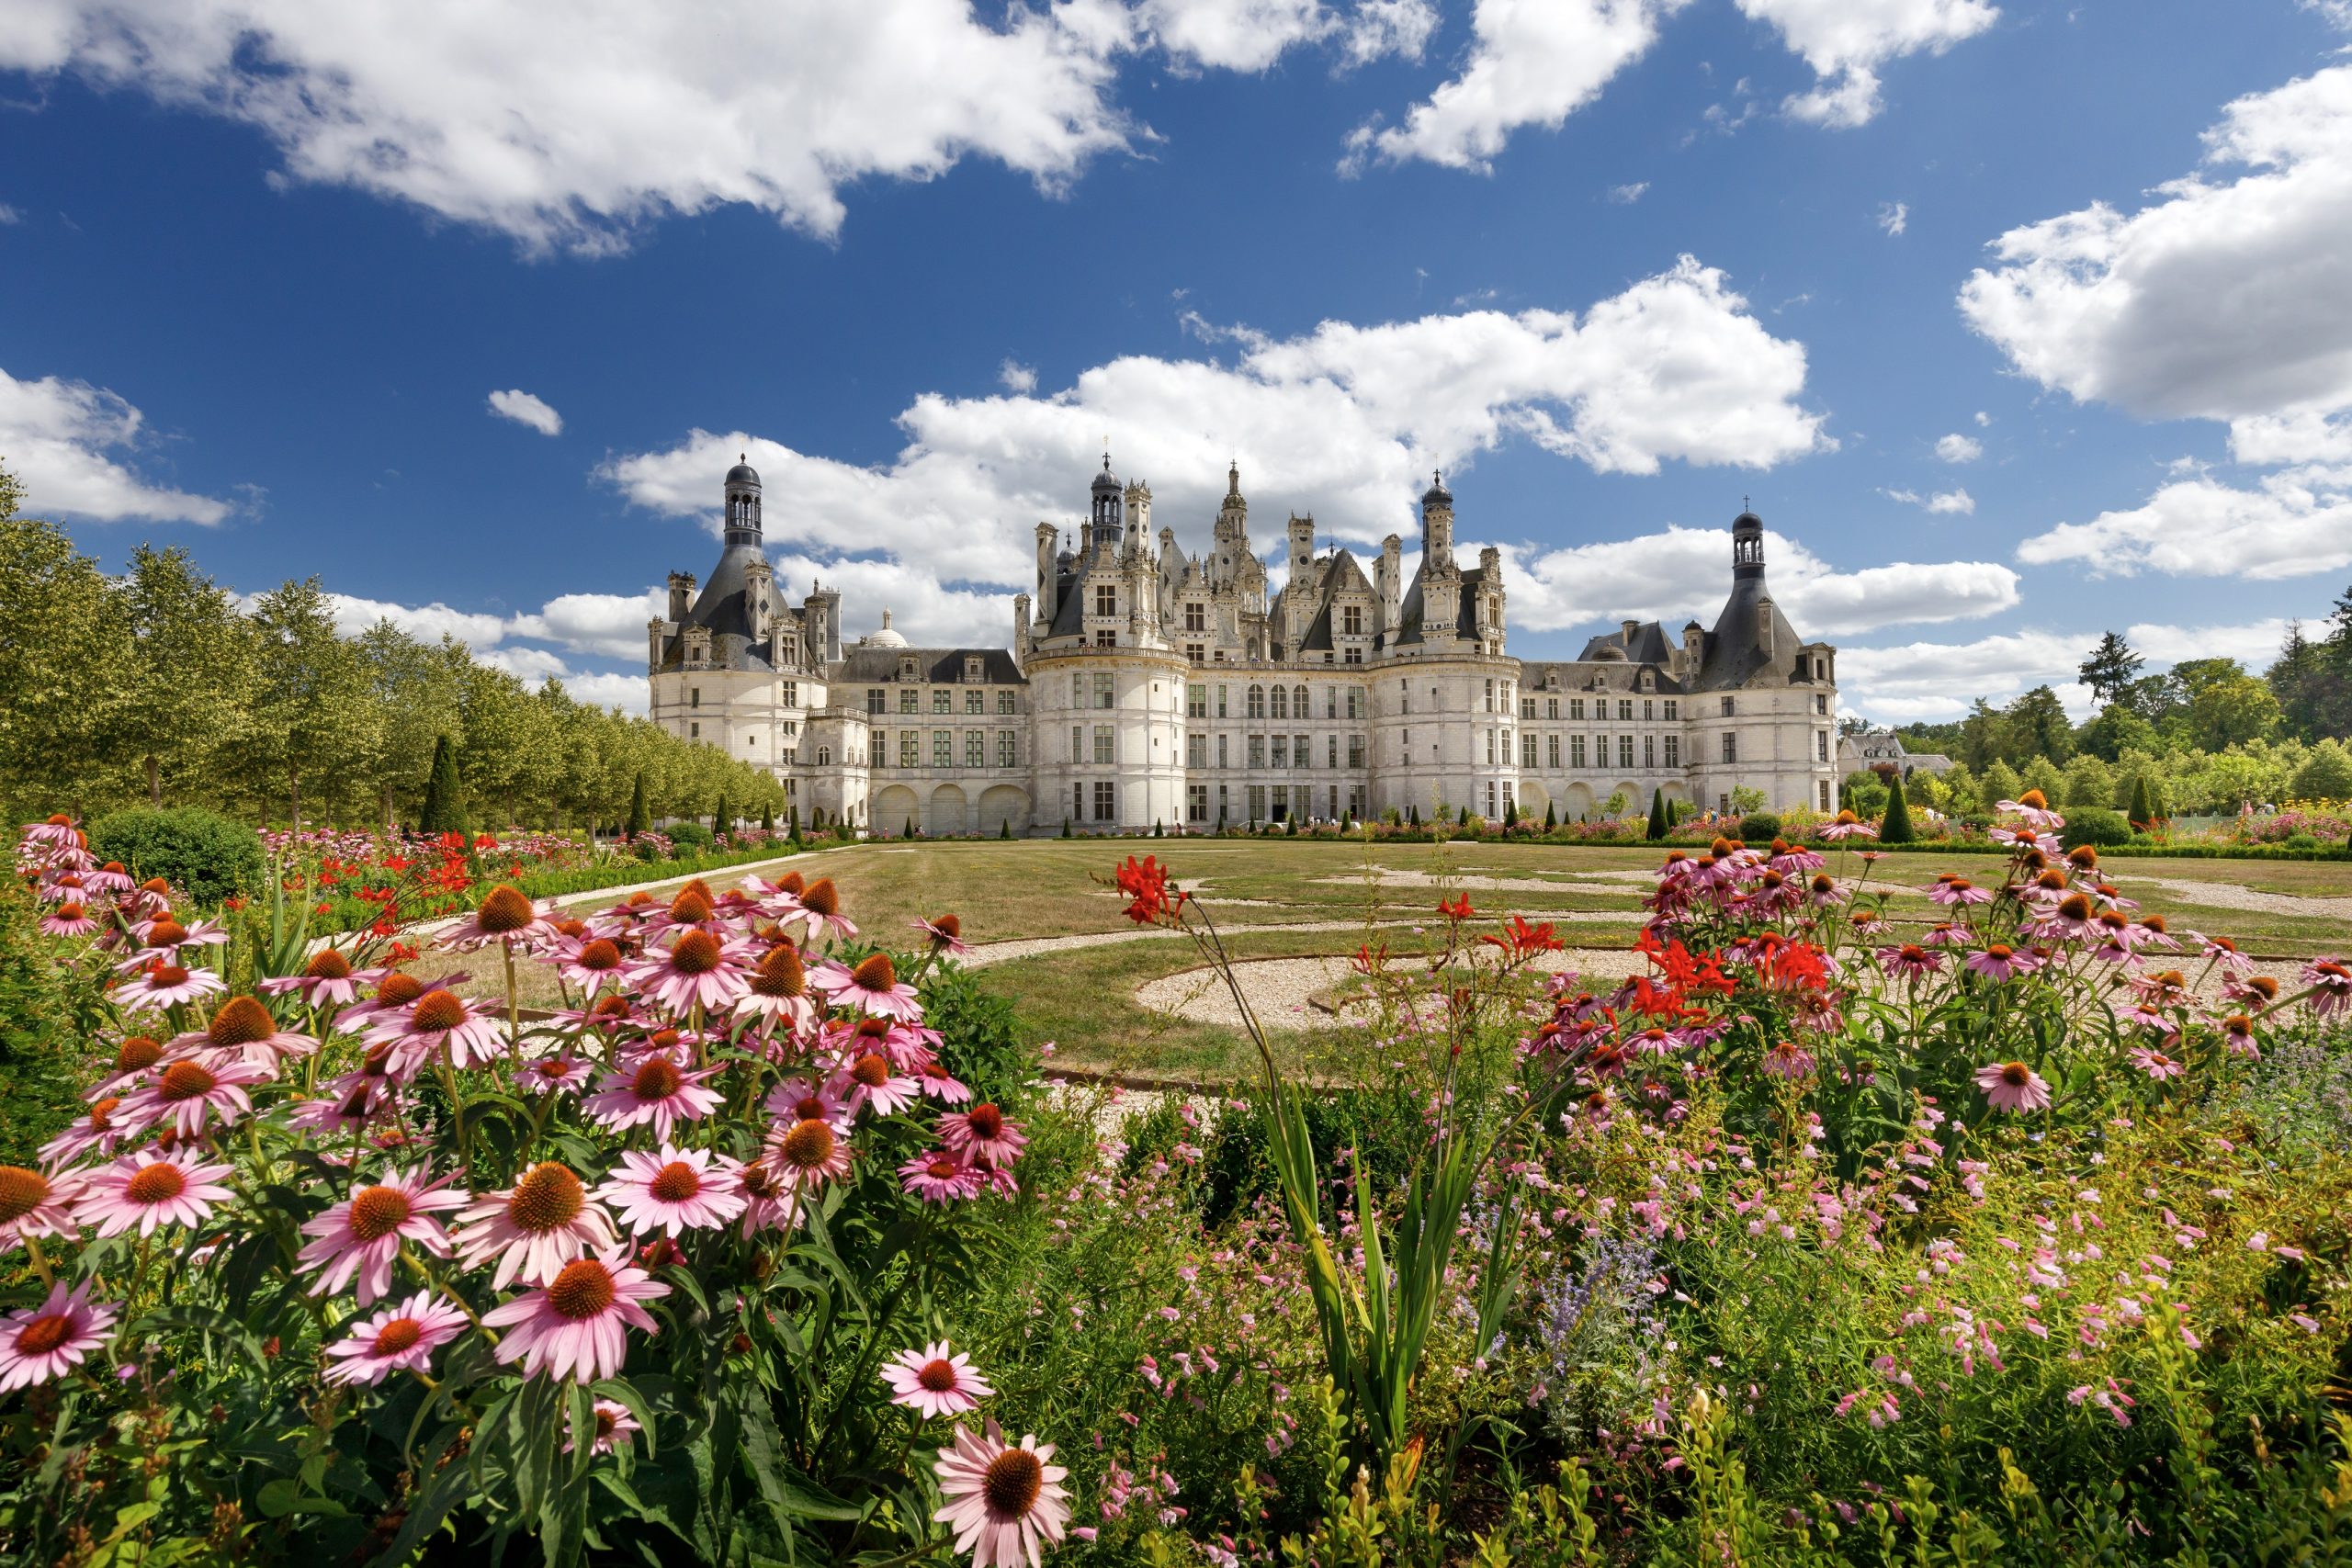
(1281, 751)
(1106, 637)
(1671, 708)
(1576, 708)
(943, 701)
(1403, 697)
(942, 747)
(1257, 708)
(1078, 801)
(693, 732)
(1331, 702)
(1351, 620)
(1192, 653)
(1355, 701)
(1196, 751)
(1526, 751)
(1256, 752)
(1282, 702)
(792, 694)
(1731, 747)
(1625, 709)
(976, 749)
(1006, 703)
(910, 747)
(1106, 801)
(1220, 702)
(1551, 708)
(1825, 795)
(972, 669)
(1625, 751)
(1300, 755)
(877, 701)
(1332, 751)
(1527, 708)
(1650, 707)
(1821, 745)
(1104, 743)
(1490, 797)
(976, 702)
(1674, 750)
(1220, 753)
(1282, 802)
(1196, 702)
(1726, 707)
(1008, 749)
(1299, 702)
(1576, 750)
(1355, 751)
(1078, 743)
(1106, 600)
(1649, 751)
(694, 697)
(1103, 694)
(1256, 802)
(751, 741)
(1491, 748)
(824, 756)
(1490, 695)
(1821, 701)
(1552, 752)
(1196, 617)
(910, 700)
(1196, 803)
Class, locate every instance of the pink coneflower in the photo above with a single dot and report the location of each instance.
(777, 988)
(593, 965)
(776, 900)
(36, 1203)
(694, 970)
(2013, 1085)
(1848, 826)
(805, 1155)
(401, 1338)
(162, 940)
(361, 1235)
(2222, 953)
(2330, 986)
(151, 1189)
(111, 877)
(872, 988)
(57, 830)
(1952, 890)
(1998, 960)
(64, 887)
(41, 1344)
(1787, 1059)
(1003, 1503)
(939, 1177)
(346, 1105)
(99, 1130)
(803, 1100)
(504, 915)
(555, 1073)
(1652, 1041)
(159, 985)
(1823, 891)
(534, 1227)
(658, 1091)
(820, 909)
(68, 919)
(435, 1021)
(327, 980)
(393, 993)
(935, 1381)
(1910, 960)
(770, 1202)
(946, 934)
(674, 1190)
(982, 1132)
(571, 1326)
(1791, 859)
(2034, 807)
(942, 1085)
(187, 1094)
(871, 1083)
(2155, 1063)
(613, 1426)
(243, 1026)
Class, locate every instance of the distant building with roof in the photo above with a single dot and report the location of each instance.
(1877, 749)
(1147, 685)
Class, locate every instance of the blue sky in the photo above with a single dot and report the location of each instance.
(2015, 321)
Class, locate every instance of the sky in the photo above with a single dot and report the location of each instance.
(2016, 323)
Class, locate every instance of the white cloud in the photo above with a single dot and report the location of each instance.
(1929, 680)
(2252, 643)
(1952, 502)
(1895, 217)
(1626, 196)
(1685, 573)
(530, 665)
(524, 408)
(9, 215)
(56, 437)
(1983, 418)
(1846, 42)
(1530, 63)
(612, 625)
(1345, 421)
(630, 693)
(1959, 448)
(1015, 377)
(427, 622)
(574, 135)
(2296, 522)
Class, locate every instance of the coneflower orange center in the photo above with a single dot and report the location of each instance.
(657, 1078)
(156, 885)
(821, 898)
(2033, 799)
(2153, 922)
(600, 955)
(810, 1109)
(2076, 906)
(1914, 954)
(166, 933)
(505, 909)
(138, 1050)
(1014, 1479)
(875, 973)
(548, 1198)
(240, 1021)
(790, 881)
(809, 1146)
(377, 1212)
(948, 925)
(605, 1424)
(697, 952)
(941, 1169)
(583, 1290)
(327, 965)
(1825, 882)
(1997, 951)
(44, 1333)
(438, 1011)
(2017, 1075)
(690, 907)
(937, 1375)
(2263, 985)
(69, 910)
(400, 1333)
(187, 1080)
(399, 989)
(167, 974)
(102, 1114)
(987, 1121)
(675, 1182)
(21, 1191)
(157, 1183)
(780, 974)
(873, 1070)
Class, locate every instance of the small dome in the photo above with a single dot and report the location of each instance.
(1747, 522)
(742, 473)
(1437, 494)
(886, 638)
(1107, 480)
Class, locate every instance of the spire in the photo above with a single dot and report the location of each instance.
(1233, 481)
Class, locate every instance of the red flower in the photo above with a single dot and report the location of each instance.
(1521, 940)
(1458, 910)
(1153, 899)
(1369, 959)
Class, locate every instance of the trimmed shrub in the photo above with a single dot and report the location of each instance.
(444, 810)
(2142, 809)
(1896, 827)
(692, 839)
(1661, 821)
(1759, 827)
(2096, 826)
(206, 855)
(640, 817)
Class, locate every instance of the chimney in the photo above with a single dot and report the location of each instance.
(1048, 536)
(1629, 628)
(681, 595)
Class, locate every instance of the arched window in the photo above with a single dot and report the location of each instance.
(1257, 701)
(1299, 702)
(1282, 702)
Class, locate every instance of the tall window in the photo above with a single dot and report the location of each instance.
(1825, 795)
(943, 701)
(910, 747)
(1196, 751)
(1491, 748)
(1298, 701)
(1731, 744)
(1625, 751)
(1672, 709)
(1527, 708)
(1196, 803)
(910, 700)
(1282, 750)
(1355, 701)
(1649, 751)
(1576, 750)
(1625, 708)
(1220, 702)
(1220, 753)
(1821, 745)
(976, 702)
(1331, 702)
(1355, 751)
(1078, 743)
(1351, 620)
(1726, 707)
(1196, 702)
(976, 749)
(1551, 708)
(1282, 702)
(1106, 637)
(1527, 750)
(1106, 801)
(1552, 752)
(942, 747)
(1299, 752)
(1106, 600)
(694, 697)
(1674, 750)
(1576, 708)
(1332, 751)
(792, 694)
(1196, 617)
(1006, 703)
(1491, 696)
(1257, 708)
(1104, 743)
(1008, 750)
(1258, 752)
(875, 700)
(1103, 694)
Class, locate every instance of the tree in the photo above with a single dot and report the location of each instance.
(2038, 722)
(193, 654)
(2325, 774)
(722, 816)
(1659, 822)
(1551, 817)
(1997, 783)
(2089, 782)
(2141, 812)
(2229, 710)
(442, 812)
(65, 668)
(2111, 668)
(2117, 730)
(1746, 799)
(1510, 812)
(1896, 827)
(641, 816)
(767, 817)
(315, 718)
(1004, 829)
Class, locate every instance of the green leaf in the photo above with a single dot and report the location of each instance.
(787, 1493)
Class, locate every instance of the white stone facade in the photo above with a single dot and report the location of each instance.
(1147, 686)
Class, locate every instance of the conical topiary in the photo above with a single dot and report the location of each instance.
(768, 819)
(1895, 827)
(1551, 817)
(1004, 829)
(1658, 823)
(911, 828)
(2142, 809)
(443, 812)
(722, 816)
(640, 819)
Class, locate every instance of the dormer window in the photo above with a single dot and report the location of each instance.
(907, 669)
(972, 669)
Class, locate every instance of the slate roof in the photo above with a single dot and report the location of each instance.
(722, 609)
(1408, 631)
(942, 666)
(1735, 655)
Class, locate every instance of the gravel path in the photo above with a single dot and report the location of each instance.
(1280, 989)
(2230, 896)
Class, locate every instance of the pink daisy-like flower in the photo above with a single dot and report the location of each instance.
(1848, 826)
(153, 1188)
(942, 1086)
(983, 1131)
(2155, 1063)
(436, 1020)
(804, 1100)
(186, 1094)
(571, 1326)
(593, 964)
(36, 1203)
(2013, 1085)
(674, 1190)
(939, 1177)
(820, 910)
(805, 1155)
(1998, 960)
(242, 1026)
(1003, 1503)
(361, 1235)
(41, 1344)
(935, 1380)
(2222, 953)
(872, 988)
(534, 1227)
(694, 970)
(326, 980)
(1952, 890)
(401, 1337)
(769, 1202)
(99, 1131)
(57, 832)
(555, 1073)
(614, 1427)
(778, 989)
(946, 934)
(1910, 961)
(504, 915)
(70, 917)
(871, 1083)
(159, 985)
(2330, 986)
(658, 1091)
(1787, 1059)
